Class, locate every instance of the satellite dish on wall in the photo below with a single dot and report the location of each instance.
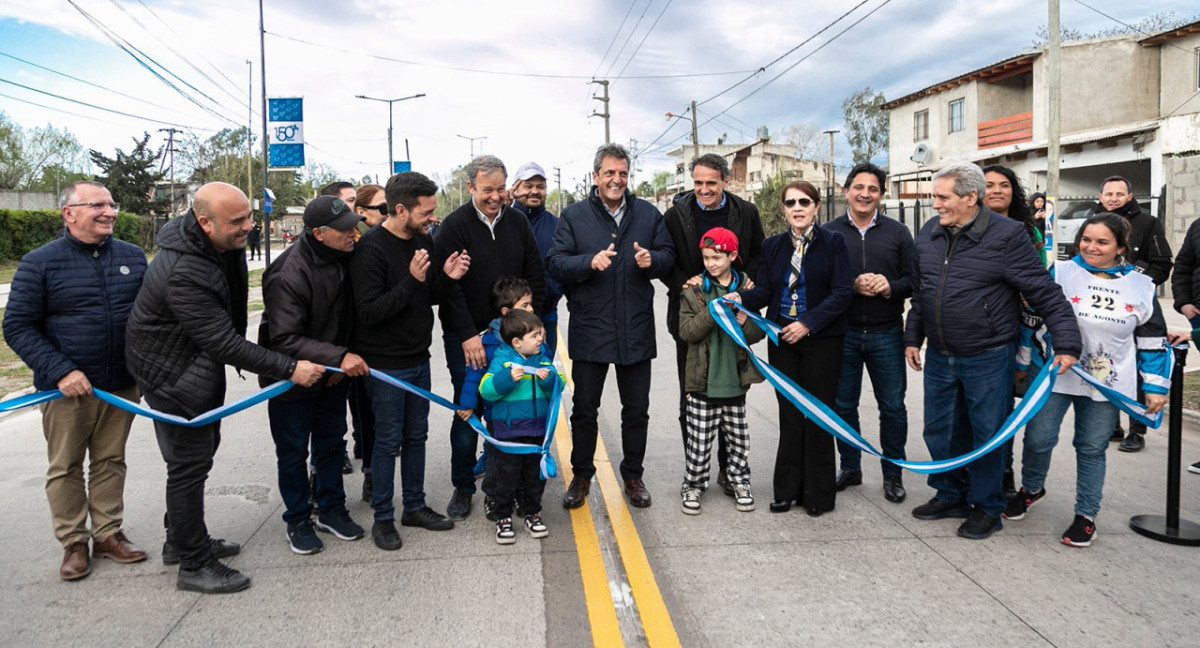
(921, 154)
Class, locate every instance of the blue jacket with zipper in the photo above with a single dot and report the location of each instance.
(519, 407)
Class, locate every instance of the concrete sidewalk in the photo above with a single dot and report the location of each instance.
(867, 574)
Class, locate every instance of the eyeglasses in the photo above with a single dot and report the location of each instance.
(792, 202)
(97, 205)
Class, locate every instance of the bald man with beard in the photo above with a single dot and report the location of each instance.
(188, 322)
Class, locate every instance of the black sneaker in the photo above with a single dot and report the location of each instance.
(368, 489)
(1020, 503)
(459, 507)
(1118, 434)
(504, 532)
(384, 533)
(1133, 442)
(489, 508)
(535, 526)
(936, 509)
(303, 539)
(426, 518)
(338, 523)
(213, 578)
(221, 549)
(1081, 533)
(724, 483)
(980, 525)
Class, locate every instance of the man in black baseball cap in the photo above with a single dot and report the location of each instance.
(309, 314)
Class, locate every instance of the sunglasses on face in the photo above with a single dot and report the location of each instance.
(792, 202)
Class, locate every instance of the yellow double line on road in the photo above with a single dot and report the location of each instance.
(602, 615)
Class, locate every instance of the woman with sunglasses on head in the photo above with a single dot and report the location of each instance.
(805, 282)
(369, 202)
(1124, 334)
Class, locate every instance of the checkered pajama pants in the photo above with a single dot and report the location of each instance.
(704, 420)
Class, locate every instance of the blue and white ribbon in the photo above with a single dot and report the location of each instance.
(1134, 409)
(548, 467)
(722, 311)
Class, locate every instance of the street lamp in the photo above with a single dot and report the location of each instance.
(829, 201)
(695, 141)
(472, 139)
(389, 102)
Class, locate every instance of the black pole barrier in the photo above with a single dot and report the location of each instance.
(1169, 528)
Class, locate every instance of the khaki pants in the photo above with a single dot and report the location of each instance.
(76, 428)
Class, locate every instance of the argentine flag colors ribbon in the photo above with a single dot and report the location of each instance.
(815, 410)
(548, 467)
(1134, 409)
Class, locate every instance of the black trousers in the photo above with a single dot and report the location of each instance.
(681, 367)
(189, 453)
(363, 418)
(633, 384)
(806, 464)
(518, 479)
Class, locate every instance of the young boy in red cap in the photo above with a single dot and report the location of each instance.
(718, 374)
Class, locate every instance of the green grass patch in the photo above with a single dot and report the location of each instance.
(1191, 391)
(255, 306)
(256, 278)
(7, 269)
(14, 375)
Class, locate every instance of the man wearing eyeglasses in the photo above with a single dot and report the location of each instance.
(881, 254)
(706, 206)
(66, 315)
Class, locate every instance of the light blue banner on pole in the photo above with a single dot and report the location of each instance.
(401, 166)
(285, 129)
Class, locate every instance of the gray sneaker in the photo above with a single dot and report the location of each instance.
(743, 498)
(303, 538)
(213, 578)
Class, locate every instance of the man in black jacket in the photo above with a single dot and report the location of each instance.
(1150, 253)
(66, 318)
(881, 254)
(500, 243)
(188, 322)
(309, 313)
(692, 213)
(972, 268)
(607, 250)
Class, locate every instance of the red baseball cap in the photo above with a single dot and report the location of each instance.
(719, 239)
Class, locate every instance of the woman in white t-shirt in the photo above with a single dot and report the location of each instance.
(1123, 334)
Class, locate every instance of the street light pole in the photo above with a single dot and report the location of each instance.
(389, 102)
(249, 127)
(829, 192)
(695, 138)
(472, 141)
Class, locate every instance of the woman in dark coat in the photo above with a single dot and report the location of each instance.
(805, 282)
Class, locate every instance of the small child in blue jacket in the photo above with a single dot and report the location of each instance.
(520, 407)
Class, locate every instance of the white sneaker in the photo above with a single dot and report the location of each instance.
(1194, 468)
(504, 532)
(535, 526)
(743, 497)
(691, 501)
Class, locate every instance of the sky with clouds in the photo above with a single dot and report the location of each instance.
(516, 74)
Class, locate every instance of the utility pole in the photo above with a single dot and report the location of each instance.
(1053, 153)
(605, 114)
(249, 126)
(171, 152)
(266, 138)
(829, 190)
(389, 102)
(472, 141)
(695, 137)
(558, 179)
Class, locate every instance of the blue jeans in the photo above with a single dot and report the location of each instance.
(975, 389)
(322, 419)
(1094, 421)
(883, 354)
(401, 428)
(462, 438)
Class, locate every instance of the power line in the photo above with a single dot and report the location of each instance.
(84, 81)
(241, 100)
(89, 105)
(644, 37)
(126, 47)
(628, 37)
(200, 54)
(1131, 27)
(455, 68)
(616, 34)
(785, 54)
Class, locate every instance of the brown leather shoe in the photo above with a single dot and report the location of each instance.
(76, 564)
(638, 495)
(117, 547)
(577, 492)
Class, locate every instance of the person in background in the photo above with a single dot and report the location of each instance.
(371, 205)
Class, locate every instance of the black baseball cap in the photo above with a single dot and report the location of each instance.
(329, 211)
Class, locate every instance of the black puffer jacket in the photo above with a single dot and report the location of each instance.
(308, 309)
(966, 289)
(1149, 251)
(67, 310)
(1185, 283)
(189, 321)
(612, 312)
(744, 221)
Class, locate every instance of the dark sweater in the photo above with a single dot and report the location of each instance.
(511, 252)
(886, 249)
(395, 311)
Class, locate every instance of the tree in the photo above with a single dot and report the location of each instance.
(865, 124)
(26, 154)
(1162, 21)
(555, 195)
(222, 158)
(769, 206)
(130, 177)
(660, 181)
(644, 189)
(806, 141)
(453, 191)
